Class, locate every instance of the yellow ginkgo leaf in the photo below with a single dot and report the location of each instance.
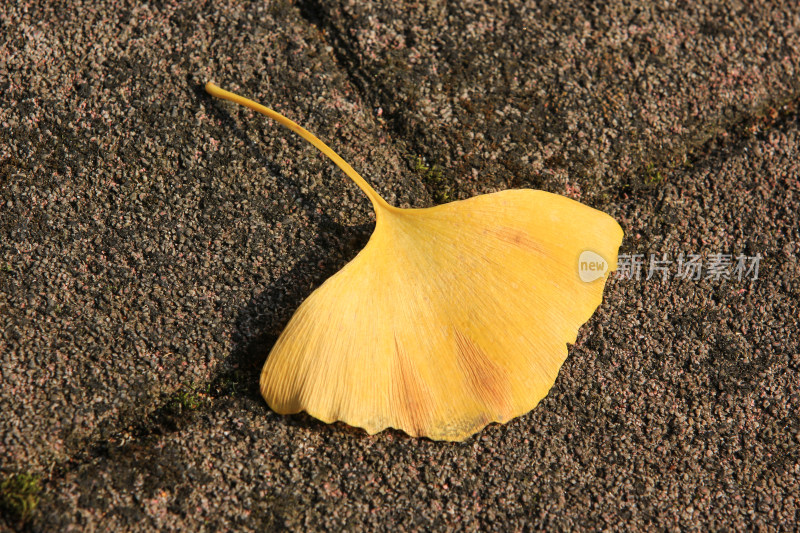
(451, 317)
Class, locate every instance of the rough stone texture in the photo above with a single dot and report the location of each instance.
(148, 229)
(568, 96)
(154, 242)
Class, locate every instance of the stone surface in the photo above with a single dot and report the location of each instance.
(676, 407)
(568, 96)
(153, 243)
(150, 232)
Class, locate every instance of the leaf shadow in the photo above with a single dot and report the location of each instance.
(260, 321)
(215, 109)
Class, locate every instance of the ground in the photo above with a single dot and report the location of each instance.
(156, 241)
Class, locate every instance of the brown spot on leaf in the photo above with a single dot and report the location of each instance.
(410, 396)
(517, 238)
(488, 380)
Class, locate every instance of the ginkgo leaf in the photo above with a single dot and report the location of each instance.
(452, 317)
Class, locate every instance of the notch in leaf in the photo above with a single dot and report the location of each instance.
(451, 318)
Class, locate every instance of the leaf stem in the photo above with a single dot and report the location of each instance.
(377, 201)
